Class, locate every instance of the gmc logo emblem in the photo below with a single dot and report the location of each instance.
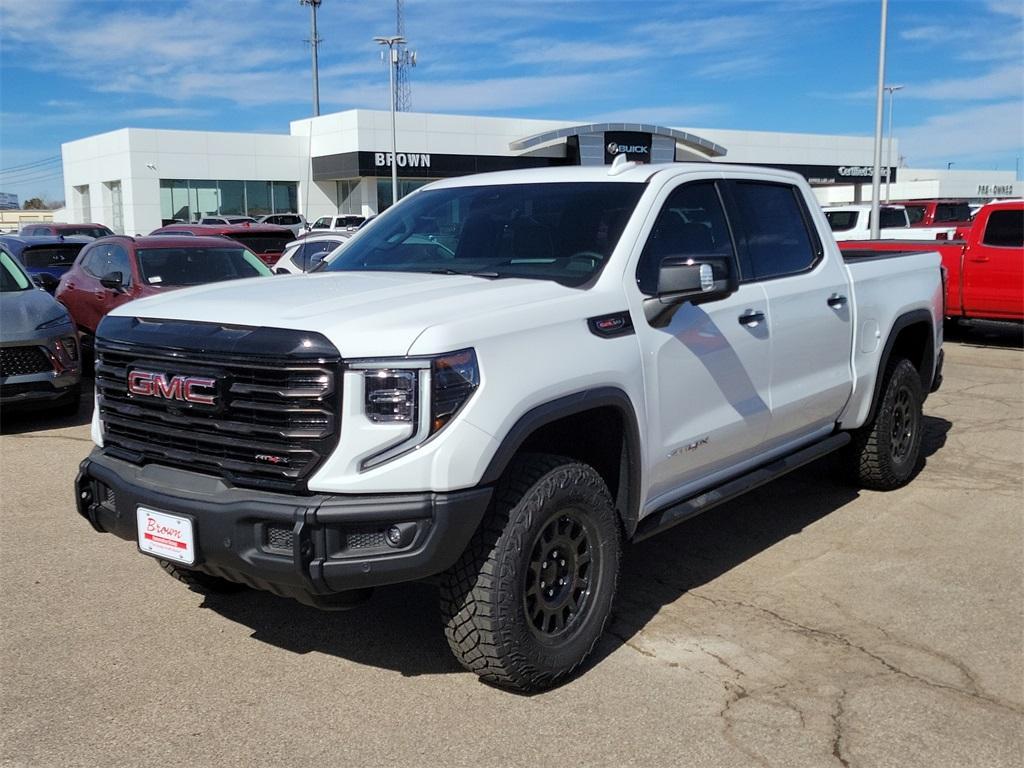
(184, 388)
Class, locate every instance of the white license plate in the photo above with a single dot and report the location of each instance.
(168, 537)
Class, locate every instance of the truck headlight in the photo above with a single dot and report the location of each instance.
(394, 391)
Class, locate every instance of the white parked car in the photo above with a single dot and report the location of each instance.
(342, 222)
(296, 222)
(853, 222)
(227, 220)
(304, 254)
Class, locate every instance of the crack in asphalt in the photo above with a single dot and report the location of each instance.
(837, 731)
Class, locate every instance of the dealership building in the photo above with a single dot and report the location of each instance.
(135, 179)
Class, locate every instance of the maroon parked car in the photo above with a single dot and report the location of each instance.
(114, 270)
(265, 240)
(51, 228)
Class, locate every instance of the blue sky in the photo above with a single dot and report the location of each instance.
(73, 68)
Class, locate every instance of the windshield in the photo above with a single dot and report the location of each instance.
(196, 266)
(12, 277)
(43, 256)
(558, 231)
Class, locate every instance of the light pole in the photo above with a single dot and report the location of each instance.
(890, 89)
(314, 43)
(391, 42)
(876, 174)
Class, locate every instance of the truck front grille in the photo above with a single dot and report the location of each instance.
(271, 424)
(20, 361)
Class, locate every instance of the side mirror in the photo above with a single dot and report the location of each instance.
(113, 280)
(281, 271)
(45, 281)
(695, 279)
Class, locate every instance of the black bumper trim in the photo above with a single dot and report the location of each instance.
(231, 522)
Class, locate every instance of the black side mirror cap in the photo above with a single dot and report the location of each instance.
(694, 279)
(113, 280)
(45, 281)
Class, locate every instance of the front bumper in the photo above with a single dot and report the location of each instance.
(311, 548)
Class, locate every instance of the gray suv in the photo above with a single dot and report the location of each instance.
(40, 364)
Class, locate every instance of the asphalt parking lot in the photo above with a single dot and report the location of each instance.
(806, 625)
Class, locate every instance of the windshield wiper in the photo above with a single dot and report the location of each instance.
(450, 271)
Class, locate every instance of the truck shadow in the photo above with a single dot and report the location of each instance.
(400, 628)
(16, 421)
(983, 333)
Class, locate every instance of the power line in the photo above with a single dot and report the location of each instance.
(25, 166)
(33, 180)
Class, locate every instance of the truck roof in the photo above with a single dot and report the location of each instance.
(631, 173)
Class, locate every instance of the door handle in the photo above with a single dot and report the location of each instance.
(980, 259)
(750, 318)
(836, 301)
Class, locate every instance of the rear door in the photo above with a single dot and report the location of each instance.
(993, 277)
(93, 299)
(809, 316)
(707, 370)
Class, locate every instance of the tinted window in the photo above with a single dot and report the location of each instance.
(1005, 229)
(915, 213)
(311, 254)
(87, 231)
(775, 224)
(106, 258)
(196, 266)
(555, 231)
(12, 277)
(841, 221)
(322, 223)
(890, 217)
(690, 224)
(43, 256)
(952, 212)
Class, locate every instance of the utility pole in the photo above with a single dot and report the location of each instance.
(876, 174)
(890, 89)
(393, 51)
(314, 44)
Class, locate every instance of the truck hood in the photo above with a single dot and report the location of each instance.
(365, 314)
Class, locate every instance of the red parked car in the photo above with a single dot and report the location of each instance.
(985, 269)
(55, 229)
(267, 241)
(113, 271)
(936, 213)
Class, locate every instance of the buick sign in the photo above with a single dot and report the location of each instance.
(623, 149)
(633, 144)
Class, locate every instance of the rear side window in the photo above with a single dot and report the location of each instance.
(916, 213)
(43, 256)
(1005, 229)
(952, 212)
(841, 221)
(777, 229)
(891, 217)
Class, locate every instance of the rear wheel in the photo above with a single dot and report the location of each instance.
(527, 601)
(200, 582)
(885, 452)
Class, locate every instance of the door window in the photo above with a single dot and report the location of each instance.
(106, 258)
(1005, 229)
(776, 227)
(691, 224)
(324, 222)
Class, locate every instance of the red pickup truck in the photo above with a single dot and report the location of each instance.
(985, 269)
(267, 241)
(937, 213)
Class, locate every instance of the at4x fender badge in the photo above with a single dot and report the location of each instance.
(610, 326)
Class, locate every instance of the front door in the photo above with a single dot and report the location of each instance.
(707, 369)
(994, 267)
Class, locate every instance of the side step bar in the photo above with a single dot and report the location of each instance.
(656, 522)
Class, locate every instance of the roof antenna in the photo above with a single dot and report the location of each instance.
(620, 164)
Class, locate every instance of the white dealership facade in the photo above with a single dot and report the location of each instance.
(134, 179)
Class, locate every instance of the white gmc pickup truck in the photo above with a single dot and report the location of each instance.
(498, 384)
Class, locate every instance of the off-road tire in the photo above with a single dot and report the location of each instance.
(881, 455)
(487, 594)
(200, 582)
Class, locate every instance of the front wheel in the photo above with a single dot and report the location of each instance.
(884, 452)
(529, 598)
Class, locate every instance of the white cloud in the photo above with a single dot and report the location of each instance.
(671, 116)
(980, 131)
(1004, 82)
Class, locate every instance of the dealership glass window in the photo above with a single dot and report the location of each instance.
(257, 195)
(232, 198)
(348, 200)
(405, 187)
(286, 197)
